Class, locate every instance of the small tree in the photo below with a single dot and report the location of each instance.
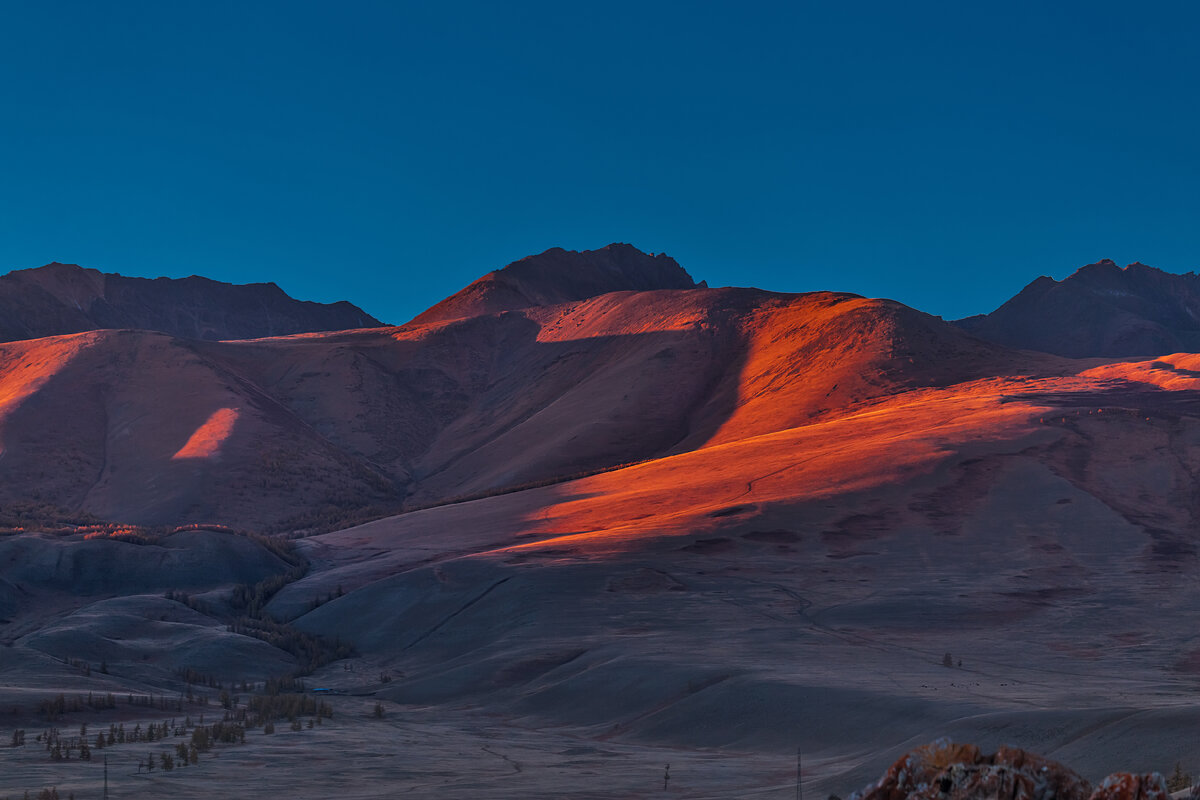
(947, 660)
(1179, 779)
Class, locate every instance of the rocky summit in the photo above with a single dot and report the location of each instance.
(561, 276)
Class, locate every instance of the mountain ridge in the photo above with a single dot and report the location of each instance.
(1100, 310)
(57, 299)
(165, 430)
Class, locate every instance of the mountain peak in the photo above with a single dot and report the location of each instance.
(1100, 310)
(56, 268)
(562, 276)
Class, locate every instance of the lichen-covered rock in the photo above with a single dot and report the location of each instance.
(944, 770)
(1127, 786)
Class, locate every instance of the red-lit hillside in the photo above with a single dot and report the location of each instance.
(304, 430)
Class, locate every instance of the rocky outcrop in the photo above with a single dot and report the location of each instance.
(562, 276)
(944, 770)
(1128, 786)
(66, 298)
(1102, 310)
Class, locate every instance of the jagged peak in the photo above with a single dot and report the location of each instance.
(1101, 309)
(557, 275)
(1105, 266)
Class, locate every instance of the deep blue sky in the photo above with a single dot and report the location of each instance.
(942, 154)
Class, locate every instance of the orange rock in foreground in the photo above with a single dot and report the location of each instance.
(944, 770)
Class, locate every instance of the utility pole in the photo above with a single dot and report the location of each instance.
(799, 796)
(106, 776)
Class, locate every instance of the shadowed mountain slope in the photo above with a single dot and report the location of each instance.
(100, 601)
(560, 276)
(1101, 310)
(65, 298)
(141, 427)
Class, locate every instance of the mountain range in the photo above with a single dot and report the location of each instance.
(487, 391)
(66, 298)
(592, 506)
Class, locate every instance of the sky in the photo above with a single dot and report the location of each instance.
(388, 153)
